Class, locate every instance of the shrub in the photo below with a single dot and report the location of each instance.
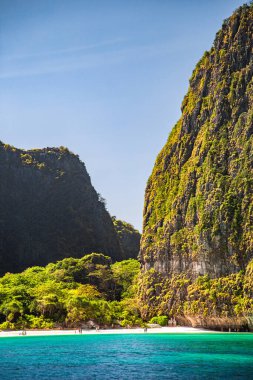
(161, 320)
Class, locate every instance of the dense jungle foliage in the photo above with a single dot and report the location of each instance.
(71, 293)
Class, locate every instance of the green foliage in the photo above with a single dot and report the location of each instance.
(129, 238)
(34, 322)
(7, 326)
(71, 293)
(125, 274)
(9, 147)
(201, 298)
(28, 159)
(161, 320)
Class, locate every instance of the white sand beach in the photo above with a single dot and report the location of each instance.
(156, 330)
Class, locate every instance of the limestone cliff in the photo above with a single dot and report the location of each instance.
(49, 209)
(198, 213)
(129, 238)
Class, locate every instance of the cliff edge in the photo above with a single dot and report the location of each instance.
(49, 209)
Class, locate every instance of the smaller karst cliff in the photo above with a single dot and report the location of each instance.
(49, 209)
(129, 238)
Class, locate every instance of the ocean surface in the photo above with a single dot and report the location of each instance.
(129, 356)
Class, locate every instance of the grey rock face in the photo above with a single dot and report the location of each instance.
(49, 210)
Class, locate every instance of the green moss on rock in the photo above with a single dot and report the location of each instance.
(198, 212)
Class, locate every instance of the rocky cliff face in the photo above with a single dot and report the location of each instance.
(198, 214)
(129, 238)
(49, 210)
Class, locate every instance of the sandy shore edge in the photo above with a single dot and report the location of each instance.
(160, 330)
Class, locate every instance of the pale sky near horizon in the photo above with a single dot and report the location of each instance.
(104, 78)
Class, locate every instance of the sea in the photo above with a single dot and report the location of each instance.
(128, 356)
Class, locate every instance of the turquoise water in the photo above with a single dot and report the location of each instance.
(156, 356)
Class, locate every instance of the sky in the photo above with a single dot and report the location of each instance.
(104, 78)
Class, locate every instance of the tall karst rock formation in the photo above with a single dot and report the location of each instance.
(198, 213)
(49, 210)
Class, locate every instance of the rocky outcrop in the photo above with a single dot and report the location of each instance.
(198, 212)
(236, 324)
(129, 238)
(223, 303)
(49, 209)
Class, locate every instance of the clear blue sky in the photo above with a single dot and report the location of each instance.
(104, 78)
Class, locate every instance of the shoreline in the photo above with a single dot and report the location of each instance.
(155, 330)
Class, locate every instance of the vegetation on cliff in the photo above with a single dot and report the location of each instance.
(198, 213)
(71, 293)
(129, 238)
(221, 303)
